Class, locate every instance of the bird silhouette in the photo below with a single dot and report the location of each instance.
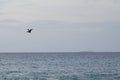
(29, 30)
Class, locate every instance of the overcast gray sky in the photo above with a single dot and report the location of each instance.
(59, 25)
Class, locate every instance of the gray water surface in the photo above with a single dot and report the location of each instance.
(60, 66)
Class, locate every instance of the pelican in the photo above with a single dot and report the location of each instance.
(29, 30)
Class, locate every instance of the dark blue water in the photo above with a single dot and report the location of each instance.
(60, 66)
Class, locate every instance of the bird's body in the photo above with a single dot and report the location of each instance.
(29, 30)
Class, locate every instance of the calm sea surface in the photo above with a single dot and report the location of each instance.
(60, 66)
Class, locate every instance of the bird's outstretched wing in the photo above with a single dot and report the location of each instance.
(29, 30)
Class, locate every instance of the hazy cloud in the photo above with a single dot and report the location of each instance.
(3, 2)
(64, 10)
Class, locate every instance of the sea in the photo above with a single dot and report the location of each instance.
(60, 66)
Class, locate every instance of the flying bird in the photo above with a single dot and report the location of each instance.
(29, 30)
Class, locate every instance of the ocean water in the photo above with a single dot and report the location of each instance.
(60, 66)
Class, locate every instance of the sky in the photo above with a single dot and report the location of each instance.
(60, 25)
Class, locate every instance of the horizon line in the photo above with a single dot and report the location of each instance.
(69, 52)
